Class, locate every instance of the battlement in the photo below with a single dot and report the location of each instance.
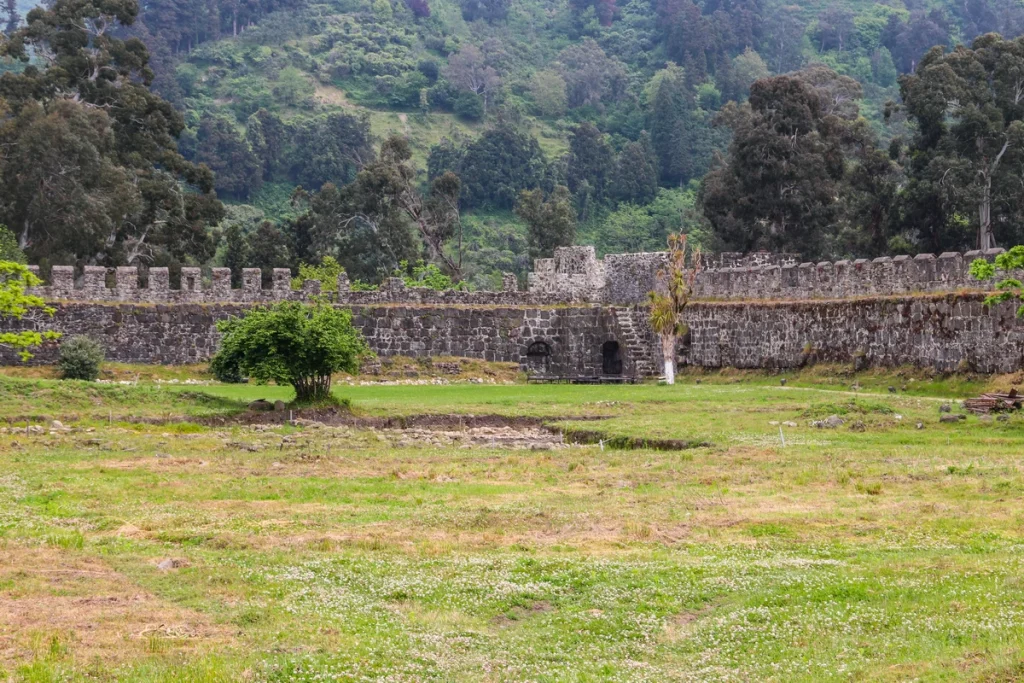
(950, 271)
(122, 284)
(575, 274)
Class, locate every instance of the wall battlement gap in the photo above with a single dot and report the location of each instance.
(573, 275)
(122, 285)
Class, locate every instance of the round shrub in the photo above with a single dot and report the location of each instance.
(291, 343)
(80, 358)
(225, 367)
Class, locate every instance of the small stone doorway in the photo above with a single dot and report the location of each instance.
(611, 358)
(538, 357)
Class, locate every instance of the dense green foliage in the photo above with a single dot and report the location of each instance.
(80, 358)
(620, 103)
(91, 169)
(290, 343)
(9, 250)
(16, 303)
(1010, 263)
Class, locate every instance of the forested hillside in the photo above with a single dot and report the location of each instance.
(476, 134)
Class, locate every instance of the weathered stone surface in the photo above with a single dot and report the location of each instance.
(860, 312)
(946, 332)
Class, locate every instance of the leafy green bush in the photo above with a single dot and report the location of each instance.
(291, 343)
(15, 303)
(1009, 287)
(327, 273)
(469, 106)
(360, 286)
(423, 275)
(9, 250)
(80, 358)
(225, 366)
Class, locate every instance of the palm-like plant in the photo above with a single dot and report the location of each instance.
(669, 300)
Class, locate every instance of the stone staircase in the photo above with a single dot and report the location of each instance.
(635, 339)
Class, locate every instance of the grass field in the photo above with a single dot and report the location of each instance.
(151, 541)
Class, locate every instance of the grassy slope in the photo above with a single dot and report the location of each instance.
(888, 554)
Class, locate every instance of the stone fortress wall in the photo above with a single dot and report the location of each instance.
(575, 274)
(582, 315)
(125, 284)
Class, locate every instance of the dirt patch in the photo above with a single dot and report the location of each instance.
(338, 417)
(58, 605)
(517, 431)
(513, 438)
(632, 442)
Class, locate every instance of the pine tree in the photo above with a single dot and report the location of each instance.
(636, 172)
(551, 223)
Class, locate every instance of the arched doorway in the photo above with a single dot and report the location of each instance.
(611, 358)
(538, 357)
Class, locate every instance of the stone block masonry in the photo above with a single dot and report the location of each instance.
(947, 332)
(576, 275)
(582, 316)
(175, 334)
(122, 285)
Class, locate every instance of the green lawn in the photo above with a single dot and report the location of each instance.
(879, 550)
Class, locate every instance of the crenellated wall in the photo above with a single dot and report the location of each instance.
(574, 275)
(759, 310)
(884, 276)
(97, 283)
(628, 278)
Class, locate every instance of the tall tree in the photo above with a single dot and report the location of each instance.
(268, 248)
(779, 187)
(392, 180)
(330, 149)
(468, 70)
(98, 175)
(550, 222)
(589, 164)
(835, 28)
(909, 40)
(266, 134)
(503, 161)
(490, 11)
(968, 106)
(591, 76)
(368, 237)
(237, 170)
(636, 172)
(680, 132)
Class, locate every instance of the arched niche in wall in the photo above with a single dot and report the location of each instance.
(611, 358)
(538, 356)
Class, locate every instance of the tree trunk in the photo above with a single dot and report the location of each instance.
(312, 389)
(986, 240)
(668, 349)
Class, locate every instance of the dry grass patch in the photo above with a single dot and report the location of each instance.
(65, 605)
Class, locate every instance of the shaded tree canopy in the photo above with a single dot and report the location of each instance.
(967, 152)
(96, 174)
(551, 221)
(778, 188)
